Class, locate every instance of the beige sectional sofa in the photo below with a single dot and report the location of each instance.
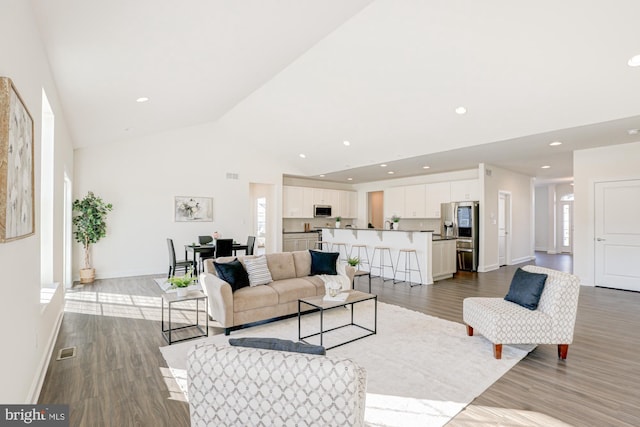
(291, 274)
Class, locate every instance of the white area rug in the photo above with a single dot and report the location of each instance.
(421, 370)
(166, 286)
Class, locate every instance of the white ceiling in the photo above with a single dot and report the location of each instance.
(293, 76)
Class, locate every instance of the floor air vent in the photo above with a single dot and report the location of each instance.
(66, 353)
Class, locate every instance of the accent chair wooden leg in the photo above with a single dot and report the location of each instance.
(497, 351)
(469, 330)
(562, 351)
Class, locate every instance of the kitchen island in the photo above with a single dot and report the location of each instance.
(420, 240)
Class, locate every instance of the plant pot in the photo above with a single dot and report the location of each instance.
(396, 226)
(87, 275)
(182, 292)
(337, 224)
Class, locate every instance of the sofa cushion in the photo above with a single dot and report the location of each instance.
(526, 288)
(233, 273)
(278, 344)
(318, 283)
(293, 289)
(258, 271)
(252, 297)
(323, 262)
(281, 265)
(302, 260)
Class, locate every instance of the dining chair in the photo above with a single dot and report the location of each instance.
(205, 240)
(224, 247)
(251, 242)
(175, 265)
(204, 254)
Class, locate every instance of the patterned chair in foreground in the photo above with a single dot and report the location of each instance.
(240, 386)
(505, 322)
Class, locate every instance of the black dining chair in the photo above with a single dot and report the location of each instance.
(175, 265)
(251, 242)
(205, 253)
(224, 247)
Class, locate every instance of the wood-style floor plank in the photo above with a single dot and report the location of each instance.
(119, 377)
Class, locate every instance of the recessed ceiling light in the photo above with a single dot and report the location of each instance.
(461, 110)
(545, 167)
(633, 131)
(391, 172)
(302, 156)
(571, 184)
(634, 61)
(142, 99)
(383, 165)
(321, 175)
(426, 167)
(555, 143)
(349, 179)
(346, 143)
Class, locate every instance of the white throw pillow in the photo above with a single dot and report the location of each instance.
(258, 270)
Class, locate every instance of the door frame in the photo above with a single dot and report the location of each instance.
(507, 225)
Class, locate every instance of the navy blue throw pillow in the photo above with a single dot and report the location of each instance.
(278, 344)
(526, 289)
(323, 262)
(233, 273)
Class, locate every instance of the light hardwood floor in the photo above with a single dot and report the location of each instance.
(119, 377)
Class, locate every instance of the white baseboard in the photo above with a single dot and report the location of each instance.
(552, 252)
(38, 380)
(522, 259)
(487, 268)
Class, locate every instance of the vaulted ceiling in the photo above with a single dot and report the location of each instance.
(302, 77)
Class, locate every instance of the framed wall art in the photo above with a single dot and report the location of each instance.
(17, 218)
(193, 209)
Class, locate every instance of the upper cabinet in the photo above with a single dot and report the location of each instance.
(415, 205)
(297, 202)
(437, 193)
(468, 189)
(394, 202)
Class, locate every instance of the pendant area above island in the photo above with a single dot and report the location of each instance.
(419, 240)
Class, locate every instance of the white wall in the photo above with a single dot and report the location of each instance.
(141, 177)
(29, 327)
(542, 217)
(609, 163)
(521, 189)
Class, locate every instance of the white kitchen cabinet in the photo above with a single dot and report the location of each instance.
(437, 193)
(466, 189)
(326, 196)
(348, 204)
(297, 202)
(415, 201)
(299, 241)
(443, 259)
(394, 202)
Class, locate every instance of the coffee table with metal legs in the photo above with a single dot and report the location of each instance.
(321, 305)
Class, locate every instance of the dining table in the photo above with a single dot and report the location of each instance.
(196, 249)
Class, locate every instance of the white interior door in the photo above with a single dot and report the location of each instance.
(503, 231)
(617, 234)
(566, 227)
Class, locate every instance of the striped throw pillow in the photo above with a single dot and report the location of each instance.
(258, 270)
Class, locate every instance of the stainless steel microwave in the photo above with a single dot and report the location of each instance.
(321, 211)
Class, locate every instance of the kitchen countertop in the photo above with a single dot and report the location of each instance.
(438, 237)
(374, 229)
(300, 232)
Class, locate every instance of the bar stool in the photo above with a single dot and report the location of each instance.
(322, 245)
(407, 266)
(381, 250)
(340, 248)
(362, 261)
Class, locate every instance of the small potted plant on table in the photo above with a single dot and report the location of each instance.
(395, 220)
(182, 283)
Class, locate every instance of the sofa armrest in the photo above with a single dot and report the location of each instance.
(220, 297)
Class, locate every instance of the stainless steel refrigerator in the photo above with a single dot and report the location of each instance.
(461, 220)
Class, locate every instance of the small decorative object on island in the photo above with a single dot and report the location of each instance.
(338, 219)
(395, 222)
(90, 227)
(182, 283)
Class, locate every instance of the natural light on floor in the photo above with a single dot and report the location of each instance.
(124, 305)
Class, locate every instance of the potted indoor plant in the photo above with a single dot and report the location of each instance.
(395, 219)
(338, 219)
(181, 283)
(90, 226)
(353, 261)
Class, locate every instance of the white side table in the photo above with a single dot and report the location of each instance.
(170, 299)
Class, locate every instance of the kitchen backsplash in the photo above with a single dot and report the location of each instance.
(291, 224)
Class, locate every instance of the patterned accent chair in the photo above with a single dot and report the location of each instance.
(240, 386)
(503, 322)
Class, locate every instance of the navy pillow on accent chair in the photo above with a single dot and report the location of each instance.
(233, 273)
(323, 262)
(526, 288)
(278, 344)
